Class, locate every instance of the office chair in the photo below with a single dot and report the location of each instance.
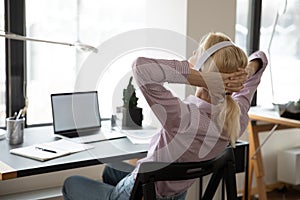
(221, 168)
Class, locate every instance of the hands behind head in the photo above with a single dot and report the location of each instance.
(220, 83)
(234, 82)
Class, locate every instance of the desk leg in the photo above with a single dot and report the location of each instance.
(250, 175)
(256, 163)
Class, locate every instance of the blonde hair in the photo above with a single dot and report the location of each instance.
(226, 60)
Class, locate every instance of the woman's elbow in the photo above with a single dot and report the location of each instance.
(139, 70)
(137, 65)
(140, 61)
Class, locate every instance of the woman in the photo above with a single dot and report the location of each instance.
(194, 129)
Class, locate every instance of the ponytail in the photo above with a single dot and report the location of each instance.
(232, 120)
(226, 60)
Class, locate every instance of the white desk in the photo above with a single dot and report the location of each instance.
(13, 166)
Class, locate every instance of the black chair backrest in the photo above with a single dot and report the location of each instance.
(221, 167)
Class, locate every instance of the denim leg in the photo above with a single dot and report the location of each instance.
(113, 173)
(123, 189)
(79, 188)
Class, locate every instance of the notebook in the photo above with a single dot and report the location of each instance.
(50, 150)
(77, 116)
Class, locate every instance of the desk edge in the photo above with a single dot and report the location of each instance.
(7, 172)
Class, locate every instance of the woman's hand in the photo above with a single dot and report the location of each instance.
(233, 82)
(218, 82)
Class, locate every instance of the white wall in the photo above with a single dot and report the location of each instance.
(205, 16)
(280, 141)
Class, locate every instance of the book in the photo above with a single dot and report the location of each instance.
(50, 150)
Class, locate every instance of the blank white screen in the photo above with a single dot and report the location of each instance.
(75, 111)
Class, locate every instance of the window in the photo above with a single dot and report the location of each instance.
(283, 51)
(51, 68)
(55, 68)
(241, 27)
(2, 69)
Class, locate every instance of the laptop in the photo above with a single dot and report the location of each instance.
(76, 116)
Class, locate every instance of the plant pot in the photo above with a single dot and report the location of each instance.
(132, 117)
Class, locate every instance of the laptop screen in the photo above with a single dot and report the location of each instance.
(75, 111)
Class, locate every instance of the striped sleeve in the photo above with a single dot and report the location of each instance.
(160, 70)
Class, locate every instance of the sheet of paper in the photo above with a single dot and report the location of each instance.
(140, 136)
(138, 140)
(65, 145)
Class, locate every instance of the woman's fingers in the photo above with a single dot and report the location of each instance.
(233, 88)
(234, 81)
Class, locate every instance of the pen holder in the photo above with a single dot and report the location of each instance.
(15, 130)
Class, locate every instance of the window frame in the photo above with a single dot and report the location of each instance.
(15, 58)
(254, 24)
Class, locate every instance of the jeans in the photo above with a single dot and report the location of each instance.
(117, 185)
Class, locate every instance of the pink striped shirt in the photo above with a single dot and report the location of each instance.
(188, 131)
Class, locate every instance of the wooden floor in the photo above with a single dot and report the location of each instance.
(283, 194)
(290, 193)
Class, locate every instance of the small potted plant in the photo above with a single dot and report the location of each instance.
(132, 115)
